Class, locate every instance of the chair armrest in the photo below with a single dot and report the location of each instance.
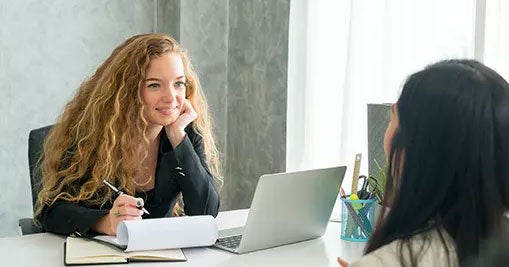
(28, 227)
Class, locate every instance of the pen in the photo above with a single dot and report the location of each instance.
(118, 192)
(342, 192)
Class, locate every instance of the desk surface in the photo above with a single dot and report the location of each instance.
(47, 250)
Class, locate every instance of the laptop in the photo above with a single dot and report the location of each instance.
(286, 208)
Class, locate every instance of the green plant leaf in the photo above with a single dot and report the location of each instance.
(377, 181)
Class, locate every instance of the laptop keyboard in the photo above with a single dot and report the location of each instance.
(232, 242)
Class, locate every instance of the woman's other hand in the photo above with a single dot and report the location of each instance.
(176, 130)
(342, 262)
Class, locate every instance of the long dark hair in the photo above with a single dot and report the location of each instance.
(449, 158)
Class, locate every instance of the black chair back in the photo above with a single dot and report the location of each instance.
(35, 150)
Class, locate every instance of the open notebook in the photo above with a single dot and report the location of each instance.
(143, 240)
(82, 251)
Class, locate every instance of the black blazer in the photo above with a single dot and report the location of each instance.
(182, 169)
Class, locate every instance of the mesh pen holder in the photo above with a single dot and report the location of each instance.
(357, 219)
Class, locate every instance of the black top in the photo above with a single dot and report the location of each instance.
(182, 169)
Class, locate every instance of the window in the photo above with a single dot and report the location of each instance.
(346, 54)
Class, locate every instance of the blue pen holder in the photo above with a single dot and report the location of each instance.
(357, 219)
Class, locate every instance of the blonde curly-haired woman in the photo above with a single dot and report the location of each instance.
(141, 123)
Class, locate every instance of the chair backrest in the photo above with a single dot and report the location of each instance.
(35, 145)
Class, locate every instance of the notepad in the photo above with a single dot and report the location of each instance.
(164, 233)
(83, 251)
(144, 240)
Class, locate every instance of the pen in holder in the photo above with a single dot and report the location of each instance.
(357, 219)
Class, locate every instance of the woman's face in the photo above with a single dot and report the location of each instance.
(164, 89)
(391, 129)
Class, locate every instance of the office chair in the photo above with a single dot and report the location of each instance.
(35, 144)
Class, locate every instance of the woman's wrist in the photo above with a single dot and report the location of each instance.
(176, 136)
(102, 226)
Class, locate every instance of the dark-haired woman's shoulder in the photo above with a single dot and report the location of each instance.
(429, 253)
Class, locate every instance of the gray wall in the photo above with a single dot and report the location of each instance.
(205, 36)
(239, 48)
(240, 51)
(168, 17)
(257, 90)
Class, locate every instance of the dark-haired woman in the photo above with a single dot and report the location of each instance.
(448, 152)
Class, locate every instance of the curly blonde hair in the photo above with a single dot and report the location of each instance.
(101, 133)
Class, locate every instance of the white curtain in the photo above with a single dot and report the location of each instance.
(346, 54)
(496, 54)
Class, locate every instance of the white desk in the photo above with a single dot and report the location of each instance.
(47, 250)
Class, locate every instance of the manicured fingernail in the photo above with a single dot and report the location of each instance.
(138, 203)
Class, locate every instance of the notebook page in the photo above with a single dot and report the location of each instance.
(167, 233)
(82, 250)
(157, 255)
